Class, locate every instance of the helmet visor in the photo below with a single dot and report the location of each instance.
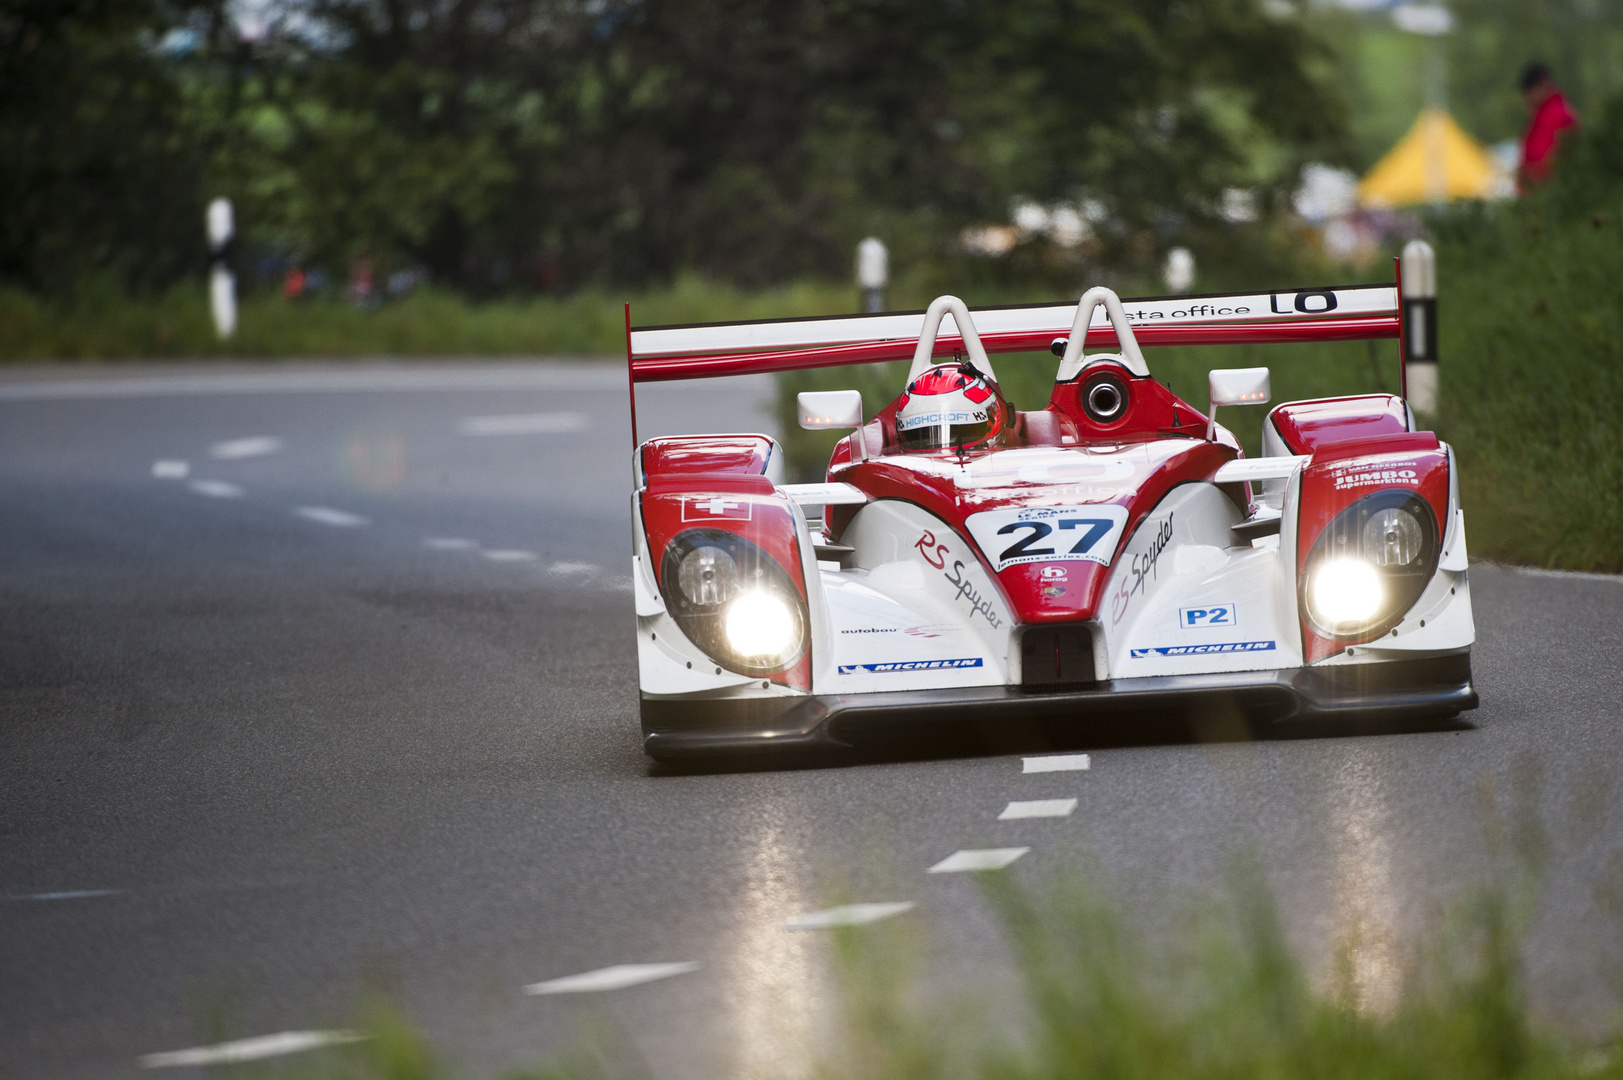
(947, 431)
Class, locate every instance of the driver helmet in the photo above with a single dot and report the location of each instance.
(949, 407)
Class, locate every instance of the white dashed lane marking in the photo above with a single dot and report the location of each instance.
(252, 446)
(217, 489)
(509, 555)
(526, 424)
(449, 543)
(848, 915)
(978, 859)
(1055, 763)
(255, 1049)
(617, 977)
(326, 515)
(170, 470)
(1035, 808)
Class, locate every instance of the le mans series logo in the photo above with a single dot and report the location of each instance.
(911, 665)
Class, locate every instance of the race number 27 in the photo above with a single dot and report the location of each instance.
(1091, 528)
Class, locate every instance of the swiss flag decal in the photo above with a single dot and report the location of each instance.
(715, 508)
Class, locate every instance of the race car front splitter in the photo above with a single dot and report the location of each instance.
(1434, 686)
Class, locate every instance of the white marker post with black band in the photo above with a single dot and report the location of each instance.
(873, 274)
(1419, 299)
(222, 282)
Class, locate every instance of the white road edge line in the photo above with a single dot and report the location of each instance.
(450, 543)
(326, 515)
(254, 1049)
(251, 446)
(1037, 808)
(509, 555)
(1055, 763)
(526, 424)
(170, 469)
(536, 374)
(847, 915)
(617, 977)
(1570, 575)
(217, 489)
(976, 859)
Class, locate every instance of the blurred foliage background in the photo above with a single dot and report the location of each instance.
(515, 146)
(502, 149)
(503, 173)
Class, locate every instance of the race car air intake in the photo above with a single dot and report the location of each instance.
(734, 601)
(1104, 399)
(1370, 565)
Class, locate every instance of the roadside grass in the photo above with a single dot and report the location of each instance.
(1532, 383)
(101, 323)
(1223, 997)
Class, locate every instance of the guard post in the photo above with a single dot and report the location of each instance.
(222, 282)
(873, 274)
(1419, 299)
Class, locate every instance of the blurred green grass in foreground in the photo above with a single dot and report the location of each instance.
(1221, 998)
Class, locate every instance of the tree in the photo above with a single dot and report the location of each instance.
(542, 141)
(102, 173)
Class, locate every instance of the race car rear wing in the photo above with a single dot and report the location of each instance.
(1346, 313)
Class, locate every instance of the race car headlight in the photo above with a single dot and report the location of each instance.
(1370, 565)
(1346, 592)
(707, 575)
(1392, 537)
(760, 624)
(734, 601)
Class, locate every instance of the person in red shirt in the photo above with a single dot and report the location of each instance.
(1550, 117)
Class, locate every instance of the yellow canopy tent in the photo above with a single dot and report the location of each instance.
(1435, 162)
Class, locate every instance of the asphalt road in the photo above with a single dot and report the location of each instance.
(320, 682)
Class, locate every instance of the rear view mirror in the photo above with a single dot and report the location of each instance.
(827, 410)
(1238, 386)
(1235, 386)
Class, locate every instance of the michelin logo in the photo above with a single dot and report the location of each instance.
(911, 665)
(1197, 650)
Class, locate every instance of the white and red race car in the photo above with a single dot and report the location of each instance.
(1114, 552)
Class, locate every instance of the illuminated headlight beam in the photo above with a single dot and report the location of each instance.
(1347, 592)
